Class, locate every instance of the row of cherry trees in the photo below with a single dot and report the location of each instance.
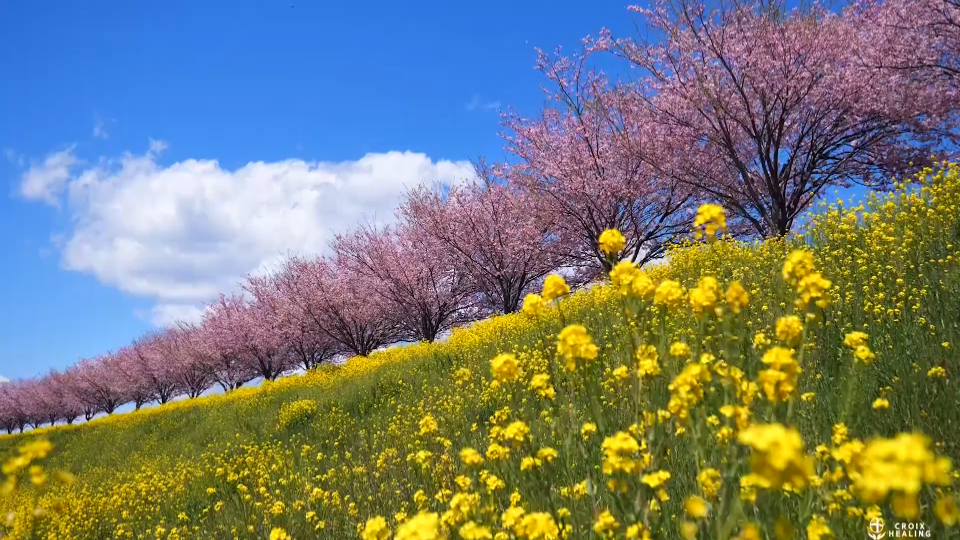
(751, 106)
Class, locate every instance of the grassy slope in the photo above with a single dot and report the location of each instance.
(140, 471)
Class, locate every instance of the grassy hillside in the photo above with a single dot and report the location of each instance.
(682, 409)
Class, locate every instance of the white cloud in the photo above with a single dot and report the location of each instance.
(4, 379)
(45, 181)
(181, 234)
(476, 104)
(164, 315)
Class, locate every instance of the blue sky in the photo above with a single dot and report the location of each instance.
(133, 124)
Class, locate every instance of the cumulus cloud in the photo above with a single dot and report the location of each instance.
(4, 379)
(163, 315)
(182, 233)
(45, 181)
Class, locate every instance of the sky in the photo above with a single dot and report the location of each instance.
(152, 153)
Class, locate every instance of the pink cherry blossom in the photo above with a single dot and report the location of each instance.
(586, 160)
(492, 231)
(420, 293)
(768, 108)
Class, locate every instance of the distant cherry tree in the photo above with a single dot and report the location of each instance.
(141, 389)
(340, 303)
(304, 342)
(147, 357)
(238, 332)
(491, 231)
(587, 162)
(100, 384)
(421, 293)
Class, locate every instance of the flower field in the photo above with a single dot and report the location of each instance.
(785, 389)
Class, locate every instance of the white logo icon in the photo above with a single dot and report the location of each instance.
(876, 529)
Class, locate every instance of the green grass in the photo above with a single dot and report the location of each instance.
(363, 445)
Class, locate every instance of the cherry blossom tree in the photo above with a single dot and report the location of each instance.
(340, 303)
(140, 386)
(240, 334)
(421, 293)
(68, 407)
(193, 368)
(491, 231)
(38, 407)
(99, 384)
(586, 159)
(48, 399)
(12, 411)
(145, 357)
(916, 37)
(305, 344)
(770, 107)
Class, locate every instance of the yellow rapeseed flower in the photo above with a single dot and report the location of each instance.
(709, 219)
(537, 526)
(574, 344)
(504, 367)
(641, 285)
(620, 454)
(611, 242)
(669, 294)
(428, 424)
(554, 287)
(470, 457)
(710, 482)
(779, 381)
(863, 354)
(818, 529)
(855, 339)
(280, 534)
(606, 524)
(622, 274)
(647, 365)
(423, 526)
(534, 305)
(704, 297)
(946, 510)
(696, 507)
(656, 479)
(737, 297)
(798, 265)
(789, 330)
(902, 464)
(680, 349)
(777, 457)
(375, 529)
(937, 373)
(472, 531)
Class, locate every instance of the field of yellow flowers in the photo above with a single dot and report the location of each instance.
(786, 389)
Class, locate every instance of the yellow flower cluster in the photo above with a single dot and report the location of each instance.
(611, 242)
(677, 400)
(777, 457)
(710, 219)
(575, 345)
